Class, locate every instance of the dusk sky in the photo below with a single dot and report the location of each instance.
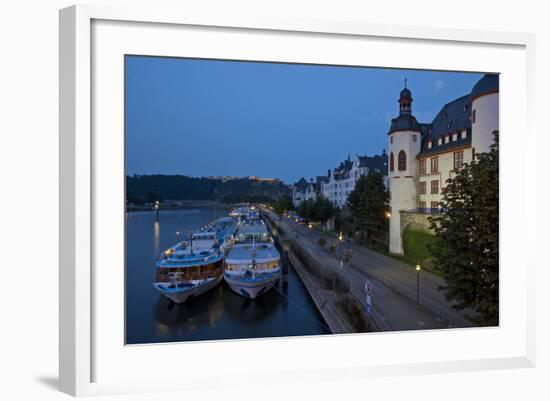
(205, 117)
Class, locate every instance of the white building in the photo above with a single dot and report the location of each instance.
(341, 181)
(423, 156)
(303, 190)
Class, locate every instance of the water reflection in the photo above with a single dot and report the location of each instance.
(285, 310)
(156, 237)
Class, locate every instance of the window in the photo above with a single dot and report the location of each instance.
(440, 141)
(434, 206)
(422, 187)
(402, 161)
(422, 166)
(430, 144)
(455, 137)
(447, 138)
(422, 206)
(391, 139)
(414, 138)
(434, 164)
(391, 161)
(474, 116)
(473, 153)
(464, 134)
(458, 159)
(434, 187)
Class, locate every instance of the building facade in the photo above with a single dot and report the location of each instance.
(422, 156)
(303, 191)
(340, 182)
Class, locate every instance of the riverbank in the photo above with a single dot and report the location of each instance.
(330, 291)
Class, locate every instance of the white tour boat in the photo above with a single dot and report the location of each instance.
(194, 266)
(252, 264)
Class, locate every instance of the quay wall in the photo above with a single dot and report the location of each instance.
(330, 290)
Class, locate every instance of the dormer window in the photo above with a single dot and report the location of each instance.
(455, 137)
(429, 144)
(447, 138)
(440, 141)
(464, 134)
(448, 125)
(465, 108)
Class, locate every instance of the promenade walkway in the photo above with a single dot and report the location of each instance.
(394, 282)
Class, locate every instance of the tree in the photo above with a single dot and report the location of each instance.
(368, 203)
(282, 205)
(466, 238)
(320, 209)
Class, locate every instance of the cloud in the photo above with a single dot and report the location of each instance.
(437, 86)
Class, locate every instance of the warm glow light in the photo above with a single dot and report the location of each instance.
(341, 236)
(417, 268)
(310, 225)
(388, 215)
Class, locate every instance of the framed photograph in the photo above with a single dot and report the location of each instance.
(283, 200)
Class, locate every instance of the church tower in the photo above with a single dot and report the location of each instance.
(404, 138)
(485, 112)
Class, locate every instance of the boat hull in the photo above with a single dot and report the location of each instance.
(179, 296)
(251, 288)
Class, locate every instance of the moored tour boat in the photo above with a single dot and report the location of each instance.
(252, 264)
(194, 266)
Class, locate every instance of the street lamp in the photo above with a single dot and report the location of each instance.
(341, 236)
(387, 214)
(418, 268)
(157, 209)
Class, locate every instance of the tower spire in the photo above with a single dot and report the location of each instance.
(405, 100)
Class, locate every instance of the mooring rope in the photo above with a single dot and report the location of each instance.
(302, 309)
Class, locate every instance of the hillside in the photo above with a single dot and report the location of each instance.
(148, 188)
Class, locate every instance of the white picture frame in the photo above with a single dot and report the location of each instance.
(82, 343)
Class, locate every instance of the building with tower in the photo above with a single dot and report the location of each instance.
(422, 156)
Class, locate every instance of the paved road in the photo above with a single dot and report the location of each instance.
(394, 284)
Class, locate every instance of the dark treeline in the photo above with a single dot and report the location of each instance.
(149, 188)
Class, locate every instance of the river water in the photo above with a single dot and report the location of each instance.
(285, 310)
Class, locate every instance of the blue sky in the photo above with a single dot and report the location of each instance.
(208, 117)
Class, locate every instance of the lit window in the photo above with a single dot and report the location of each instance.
(455, 137)
(447, 138)
(440, 141)
(429, 144)
(464, 134)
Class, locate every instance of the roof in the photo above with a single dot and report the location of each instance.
(404, 122)
(245, 253)
(377, 162)
(302, 184)
(252, 229)
(488, 84)
(453, 118)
